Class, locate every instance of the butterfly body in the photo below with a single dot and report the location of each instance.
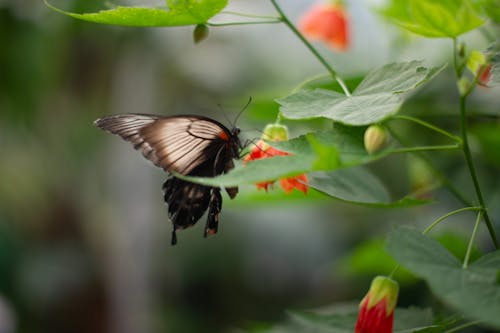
(189, 145)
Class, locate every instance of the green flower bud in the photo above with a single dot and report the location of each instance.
(200, 33)
(476, 61)
(375, 138)
(463, 85)
(275, 132)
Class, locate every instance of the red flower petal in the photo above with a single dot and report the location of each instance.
(374, 319)
(263, 150)
(484, 78)
(299, 182)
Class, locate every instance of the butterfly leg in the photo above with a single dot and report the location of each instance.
(174, 236)
(214, 209)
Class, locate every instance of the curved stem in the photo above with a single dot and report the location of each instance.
(471, 241)
(430, 126)
(422, 148)
(445, 216)
(442, 177)
(322, 60)
(472, 170)
(243, 23)
(461, 327)
(266, 17)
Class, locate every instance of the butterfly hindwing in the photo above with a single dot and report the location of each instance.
(189, 145)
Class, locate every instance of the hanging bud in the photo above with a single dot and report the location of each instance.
(275, 132)
(461, 50)
(463, 85)
(200, 33)
(375, 138)
(376, 310)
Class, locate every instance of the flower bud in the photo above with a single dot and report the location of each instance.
(275, 132)
(200, 33)
(375, 138)
(376, 310)
(476, 61)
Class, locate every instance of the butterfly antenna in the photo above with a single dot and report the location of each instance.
(241, 111)
(224, 114)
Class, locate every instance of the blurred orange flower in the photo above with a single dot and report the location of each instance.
(326, 22)
(484, 76)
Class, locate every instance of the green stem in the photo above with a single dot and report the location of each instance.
(445, 216)
(322, 60)
(466, 147)
(265, 17)
(439, 174)
(430, 126)
(243, 23)
(422, 148)
(472, 169)
(461, 327)
(471, 241)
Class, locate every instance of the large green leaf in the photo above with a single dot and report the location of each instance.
(475, 290)
(178, 12)
(446, 18)
(357, 185)
(377, 97)
(491, 8)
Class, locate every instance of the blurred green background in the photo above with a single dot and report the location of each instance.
(84, 234)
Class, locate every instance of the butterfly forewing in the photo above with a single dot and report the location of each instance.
(177, 143)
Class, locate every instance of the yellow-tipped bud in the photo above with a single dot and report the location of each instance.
(375, 138)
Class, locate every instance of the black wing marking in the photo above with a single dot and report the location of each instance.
(177, 143)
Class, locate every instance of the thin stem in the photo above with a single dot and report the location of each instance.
(461, 327)
(445, 216)
(439, 174)
(394, 270)
(472, 170)
(430, 126)
(466, 147)
(244, 23)
(422, 148)
(228, 12)
(471, 241)
(455, 60)
(330, 69)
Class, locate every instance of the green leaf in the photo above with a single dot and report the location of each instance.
(327, 157)
(447, 18)
(377, 97)
(491, 8)
(266, 169)
(358, 186)
(475, 291)
(185, 12)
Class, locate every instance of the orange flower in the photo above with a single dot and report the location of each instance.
(326, 22)
(376, 311)
(263, 150)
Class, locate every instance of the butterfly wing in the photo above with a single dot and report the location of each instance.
(178, 143)
(189, 145)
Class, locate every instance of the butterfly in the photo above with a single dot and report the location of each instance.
(189, 145)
